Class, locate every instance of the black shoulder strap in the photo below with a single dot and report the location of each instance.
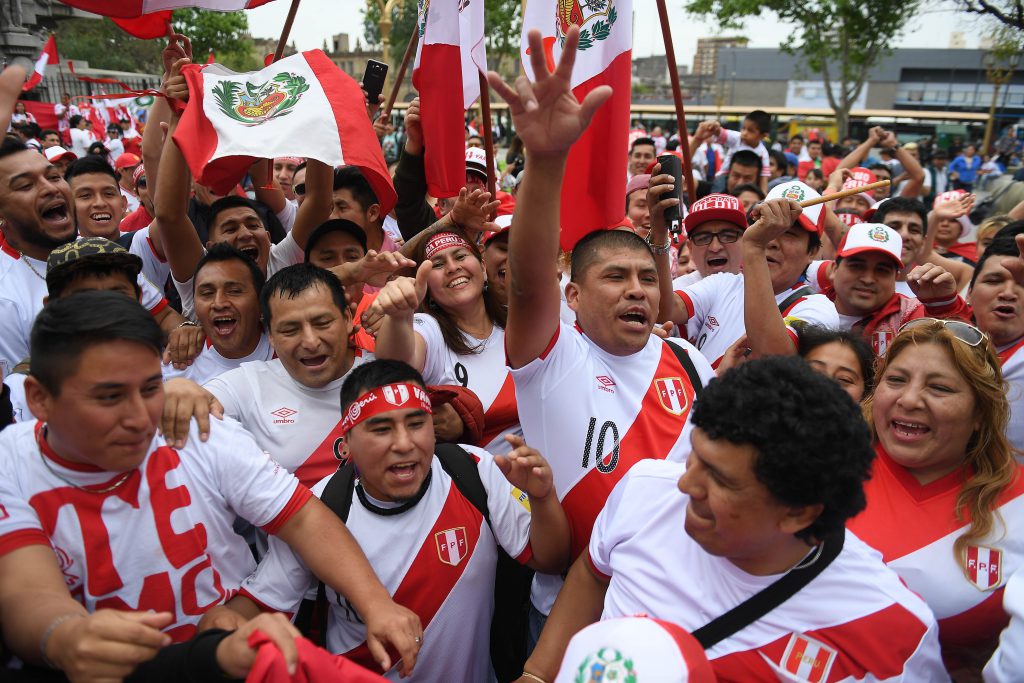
(691, 370)
(792, 298)
(461, 467)
(337, 494)
(764, 601)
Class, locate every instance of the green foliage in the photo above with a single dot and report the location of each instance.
(225, 32)
(840, 40)
(105, 46)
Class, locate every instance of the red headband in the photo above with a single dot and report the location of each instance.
(385, 399)
(442, 241)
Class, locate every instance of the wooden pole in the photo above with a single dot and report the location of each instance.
(844, 193)
(286, 30)
(410, 50)
(485, 106)
(677, 96)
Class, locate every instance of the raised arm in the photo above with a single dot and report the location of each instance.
(318, 203)
(911, 167)
(398, 301)
(265, 186)
(660, 196)
(549, 120)
(858, 155)
(949, 209)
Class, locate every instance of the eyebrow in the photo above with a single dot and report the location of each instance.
(103, 386)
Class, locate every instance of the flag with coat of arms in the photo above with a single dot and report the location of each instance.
(450, 57)
(302, 106)
(594, 189)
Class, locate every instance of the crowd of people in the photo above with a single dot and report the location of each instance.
(281, 432)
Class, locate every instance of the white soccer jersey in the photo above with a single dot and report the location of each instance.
(299, 426)
(162, 540)
(592, 415)
(1007, 663)
(437, 558)
(283, 254)
(1012, 358)
(484, 373)
(209, 363)
(965, 593)
(716, 304)
(854, 622)
(154, 268)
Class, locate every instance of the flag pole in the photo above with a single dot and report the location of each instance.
(410, 50)
(286, 30)
(485, 106)
(677, 96)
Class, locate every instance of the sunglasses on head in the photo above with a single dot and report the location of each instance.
(965, 332)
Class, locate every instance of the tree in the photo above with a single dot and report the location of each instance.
(841, 40)
(502, 29)
(105, 46)
(1007, 12)
(226, 33)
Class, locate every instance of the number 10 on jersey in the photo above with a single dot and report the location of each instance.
(605, 462)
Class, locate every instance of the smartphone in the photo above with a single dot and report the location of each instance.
(673, 165)
(373, 79)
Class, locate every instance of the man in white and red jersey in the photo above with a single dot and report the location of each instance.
(769, 300)
(431, 546)
(862, 283)
(997, 296)
(777, 467)
(290, 403)
(599, 396)
(714, 227)
(99, 513)
(227, 302)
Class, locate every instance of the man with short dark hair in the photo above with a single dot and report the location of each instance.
(745, 169)
(779, 459)
(642, 154)
(99, 204)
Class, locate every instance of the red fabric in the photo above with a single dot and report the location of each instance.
(43, 111)
(47, 57)
(508, 204)
(442, 118)
(595, 172)
(315, 665)
(134, 8)
(466, 404)
(803, 168)
(697, 665)
(828, 165)
(147, 26)
(968, 250)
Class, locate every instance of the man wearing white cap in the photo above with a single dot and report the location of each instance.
(60, 157)
(862, 202)
(863, 278)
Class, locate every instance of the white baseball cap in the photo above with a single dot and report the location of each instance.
(865, 237)
(648, 650)
(476, 162)
(57, 152)
(813, 217)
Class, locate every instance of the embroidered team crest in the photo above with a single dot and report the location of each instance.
(451, 545)
(985, 567)
(252, 105)
(808, 659)
(582, 12)
(672, 394)
(607, 665)
(396, 395)
(794, 192)
(880, 341)
(879, 234)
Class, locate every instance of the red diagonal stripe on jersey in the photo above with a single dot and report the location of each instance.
(652, 435)
(1005, 354)
(503, 412)
(323, 461)
(429, 581)
(878, 644)
(976, 628)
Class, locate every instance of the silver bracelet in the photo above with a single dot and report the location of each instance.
(662, 249)
(49, 632)
(187, 323)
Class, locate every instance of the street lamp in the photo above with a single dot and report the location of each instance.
(999, 68)
(386, 8)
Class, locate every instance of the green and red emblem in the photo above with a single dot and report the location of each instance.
(252, 105)
(607, 665)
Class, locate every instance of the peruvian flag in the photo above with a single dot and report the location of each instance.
(148, 19)
(594, 189)
(449, 58)
(300, 106)
(48, 56)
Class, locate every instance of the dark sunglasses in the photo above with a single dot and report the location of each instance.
(299, 189)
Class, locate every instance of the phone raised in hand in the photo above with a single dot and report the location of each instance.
(373, 79)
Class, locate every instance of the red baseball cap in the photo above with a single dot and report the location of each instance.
(127, 160)
(716, 207)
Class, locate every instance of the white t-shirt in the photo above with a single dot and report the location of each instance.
(1007, 662)
(730, 139)
(283, 254)
(593, 415)
(288, 214)
(716, 305)
(209, 363)
(1012, 357)
(436, 558)
(300, 427)
(163, 540)
(854, 622)
(133, 201)
(154, 268)
(484, 373)
(16, 383)
(80, 141)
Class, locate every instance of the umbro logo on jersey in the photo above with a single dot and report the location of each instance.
(984, 567)
(672, 393)
(712, 322)
(451, 545)
(808, 659)
(283, 416)
(605, 383)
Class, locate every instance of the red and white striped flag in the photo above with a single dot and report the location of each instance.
(449, 58)
(48, 56)
(594, 189)
(128, 9)
(302, 106)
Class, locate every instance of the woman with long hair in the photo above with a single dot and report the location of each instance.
(448, 325)
(945, 504)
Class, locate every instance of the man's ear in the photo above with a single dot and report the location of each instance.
(799, 517)
(38, 398)
(572, 295)
(373, 213)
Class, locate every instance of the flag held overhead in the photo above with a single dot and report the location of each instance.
(303, 106)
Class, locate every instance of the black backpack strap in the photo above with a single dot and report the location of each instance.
(764, 601)
(461, 467)
(793, 298)
(311, 618)
(691, 370)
